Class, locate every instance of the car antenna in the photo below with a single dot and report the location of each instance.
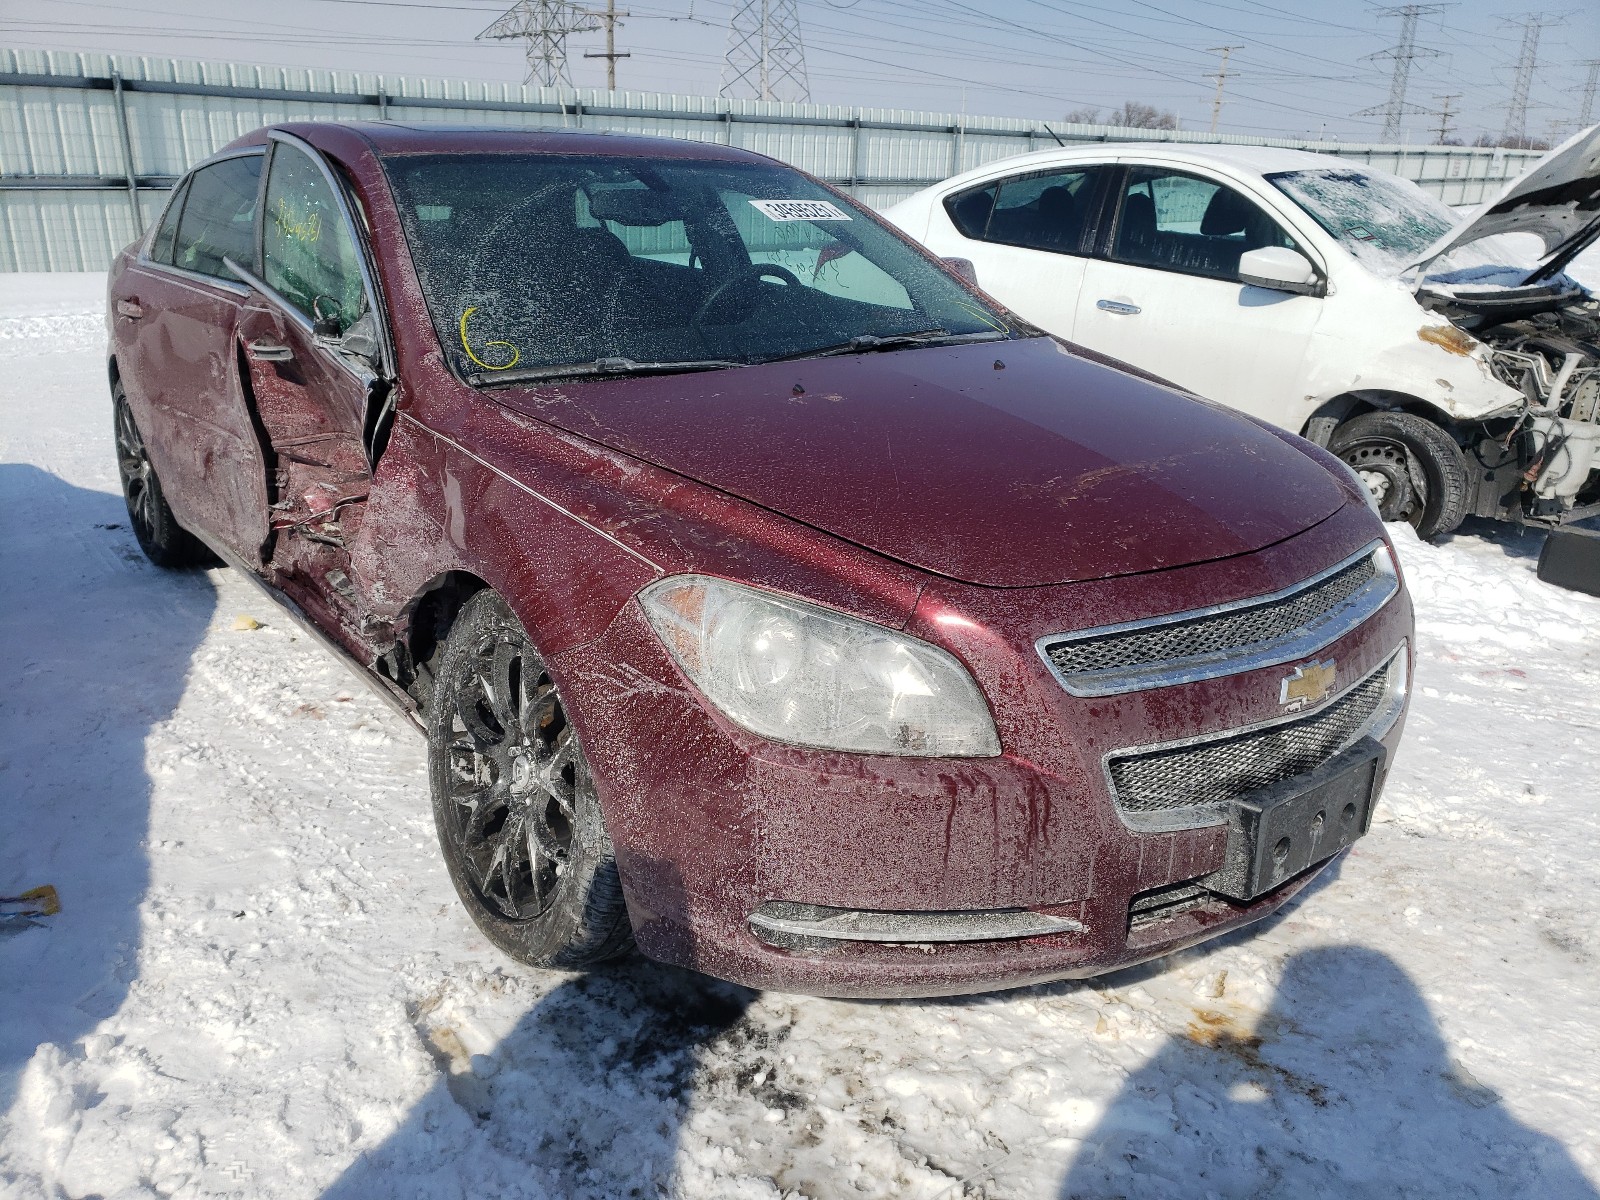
(1052, 133)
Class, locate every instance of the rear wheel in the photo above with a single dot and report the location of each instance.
(163, 540)
(514, 800)
(1413, 468)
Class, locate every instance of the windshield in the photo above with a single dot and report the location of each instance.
(1385, 221)
(531, 261)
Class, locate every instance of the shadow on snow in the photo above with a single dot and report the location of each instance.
(94, 648)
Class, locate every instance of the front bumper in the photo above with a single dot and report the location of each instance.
(710, 823)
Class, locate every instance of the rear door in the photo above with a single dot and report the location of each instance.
(1028, 236)
(182, 308)
(1166, 295)
(311, 331)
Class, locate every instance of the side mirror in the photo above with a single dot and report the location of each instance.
(1281, 269)
(964, 268)
(325, 324)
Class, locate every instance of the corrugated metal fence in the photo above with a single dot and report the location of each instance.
(87, 140)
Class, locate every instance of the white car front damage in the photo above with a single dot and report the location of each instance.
(1533, 329)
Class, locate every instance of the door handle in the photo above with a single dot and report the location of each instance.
(131, 309)
(1121, 307)
(264, 351)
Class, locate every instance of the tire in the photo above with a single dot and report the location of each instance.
(163, 540)
(1414, 468)
(514, 800)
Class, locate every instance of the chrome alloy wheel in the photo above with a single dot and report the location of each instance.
(133, 465)
(515, 779)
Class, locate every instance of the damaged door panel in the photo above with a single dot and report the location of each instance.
(316, 369)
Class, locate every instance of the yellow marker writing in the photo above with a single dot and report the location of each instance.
(516, 355)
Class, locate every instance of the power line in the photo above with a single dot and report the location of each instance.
(766, 58)
(1221, 78)
(545, 24)
(1394, 110)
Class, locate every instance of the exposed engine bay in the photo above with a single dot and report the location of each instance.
(1542, 463)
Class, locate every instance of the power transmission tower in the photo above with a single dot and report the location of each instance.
(1222, 76)
(610, 18)
(1516, 130)
(766, 59)
(546, 25)
(1444, 114)
(1586, 110)
(1394, 110)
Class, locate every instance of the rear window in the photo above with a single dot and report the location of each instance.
(546, 260)
(1044, 210)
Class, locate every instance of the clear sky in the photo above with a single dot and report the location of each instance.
(1301, 68)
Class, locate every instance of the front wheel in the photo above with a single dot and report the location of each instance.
(514, 800)
(163, 540)
(1413, 468)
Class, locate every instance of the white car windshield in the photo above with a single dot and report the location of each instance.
(1385, 221)
(1389, 223)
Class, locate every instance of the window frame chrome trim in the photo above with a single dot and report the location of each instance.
(1195, 816)
(1359, 607)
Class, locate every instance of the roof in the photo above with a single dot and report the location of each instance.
(392, 138)
(1256, 160)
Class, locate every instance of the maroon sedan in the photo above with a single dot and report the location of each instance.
(770, 598)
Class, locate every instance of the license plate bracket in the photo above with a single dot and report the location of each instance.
(1279, 831)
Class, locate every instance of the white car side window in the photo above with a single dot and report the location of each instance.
(1045, 210)
(1177, 222)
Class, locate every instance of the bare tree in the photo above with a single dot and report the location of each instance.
(1133, 115)
(1513, 142)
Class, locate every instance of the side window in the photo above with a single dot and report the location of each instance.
(1047, 210)
(1176, 222)
(969, 211)
(308, 254)
(218, 219)
(167, 234)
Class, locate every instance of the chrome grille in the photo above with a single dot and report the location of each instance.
(1226, 640)
(1209, 773)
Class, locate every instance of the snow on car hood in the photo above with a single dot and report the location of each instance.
(1557, 200)
(1005, 464)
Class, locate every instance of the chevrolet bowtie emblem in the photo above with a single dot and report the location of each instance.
(1308, 684)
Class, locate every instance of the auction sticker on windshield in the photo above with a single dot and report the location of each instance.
(800, 210)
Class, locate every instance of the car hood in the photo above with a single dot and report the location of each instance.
(1557, 200)
(1003, 464)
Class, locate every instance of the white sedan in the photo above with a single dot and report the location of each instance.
(1450, 362)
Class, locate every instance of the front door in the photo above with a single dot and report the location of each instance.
(312, 390)
(1168, 298)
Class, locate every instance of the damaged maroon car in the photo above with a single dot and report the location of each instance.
(770, 599)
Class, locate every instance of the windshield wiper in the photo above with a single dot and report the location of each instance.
(600, 366)
(867, 343)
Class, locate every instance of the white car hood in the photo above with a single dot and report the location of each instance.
(1557, 200)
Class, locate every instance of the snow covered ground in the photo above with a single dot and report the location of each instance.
(261, 985)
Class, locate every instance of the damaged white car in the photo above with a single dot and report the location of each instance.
(1452, 363)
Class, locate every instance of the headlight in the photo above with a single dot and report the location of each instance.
(796, 673)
